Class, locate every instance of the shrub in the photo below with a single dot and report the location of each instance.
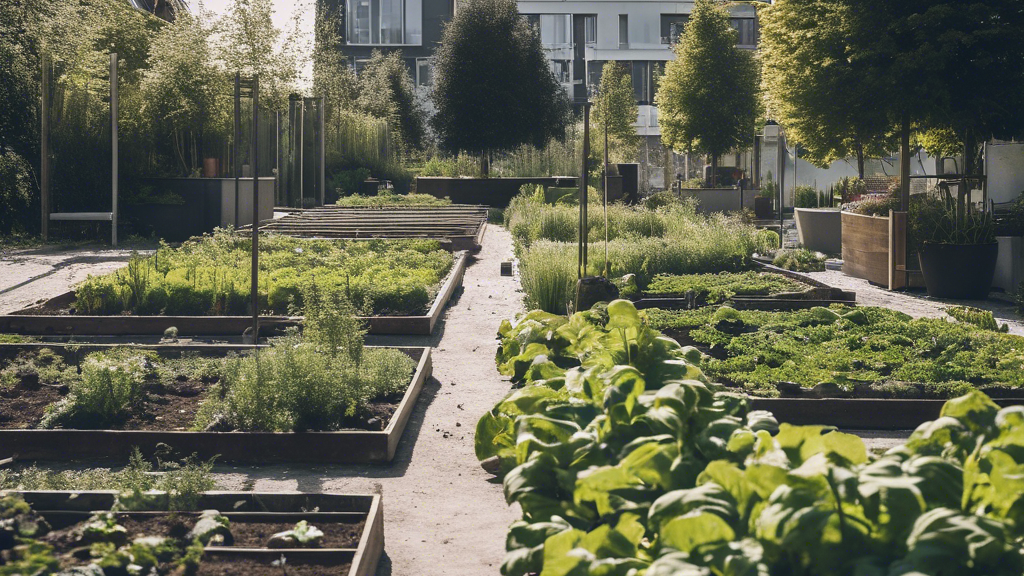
(346, 182)
(808, 197)
(15, 191)
(110, 389)
(716, 288)
(387, 198)
(801, 260)
(548, 275)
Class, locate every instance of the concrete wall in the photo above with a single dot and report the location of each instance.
(495, 192)
(720, 199)
(227, 201)
(1004, 165)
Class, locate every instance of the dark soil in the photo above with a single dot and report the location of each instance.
(22, 407)
(167, 525)
(212, 567)
(336, 534)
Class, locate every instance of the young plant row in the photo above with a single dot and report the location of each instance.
(626, 461)
(864, 351)
(211, 275)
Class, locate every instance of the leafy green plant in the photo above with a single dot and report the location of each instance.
(717, 288)
(623, 458)
(809, 197)
(548, 276)
(977, 317)
(110, 389)
(802, 260)
(345, 182)
(386, 198)
(954, 225)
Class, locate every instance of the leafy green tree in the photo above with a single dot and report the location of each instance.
(616, 106)
(708, 98)
(252, 44)
(386, 91)
(493, 86)
(186, 95)
(823, 95)
(333, 78)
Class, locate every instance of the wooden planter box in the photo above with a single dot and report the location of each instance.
(30, 322)
(874, 249)
(859, 413)
(67, 507)
(340, 447)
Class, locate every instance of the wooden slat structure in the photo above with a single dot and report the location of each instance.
(462, 225)
(874, 248)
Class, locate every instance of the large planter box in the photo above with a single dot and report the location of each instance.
(493, 192)
(338, 447)
(874, 249)
(820, 229)
(208, 203)
(65, 508)
(1009, 263)
(710, 200)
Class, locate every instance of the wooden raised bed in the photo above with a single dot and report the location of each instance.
(64, 508)
(30, 322)
(339, 447)
(859, 413)
(461, 226)
(874, 249)
(817, 294)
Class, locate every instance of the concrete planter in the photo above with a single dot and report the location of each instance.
(1009, 263)
(494, 192)
(820, 229)
(207, 204)
(711, 200)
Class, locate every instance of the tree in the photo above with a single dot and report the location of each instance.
(708, 97)
(822, 93)
(250, 45)
(186, 95)
(494, 88)
(333, 78)
(616, 105)
(386, 91)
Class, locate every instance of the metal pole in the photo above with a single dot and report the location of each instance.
(584, 208)
(323, 153)
(238, 139)
(277, 160)
(255, 210)
(113, 149)
(302, 158)
(605, 193)
(44, 148)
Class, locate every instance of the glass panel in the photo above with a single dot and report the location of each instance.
(359, 22)
(414, 22)
(745, 30)
(672, 27)
(562, 70)
(640, 81)
(590, 25)
(594, 68)
(424, 72)
(556, 29)
(391, 13)
(623, 29)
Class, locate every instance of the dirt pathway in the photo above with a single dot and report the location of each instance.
(443, 515)
(30, 275)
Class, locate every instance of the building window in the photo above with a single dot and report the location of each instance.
(424, 72)
(623, 30)
(594, 68)
(590, 29)
(745, 31)
(385, 21)
(360, 65)
(672, 27)
(562, 69)
(556, 30)
(641, 74)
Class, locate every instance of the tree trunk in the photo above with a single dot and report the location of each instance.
(714, 170)
(860, 160)
(905, 164)
(485, 163)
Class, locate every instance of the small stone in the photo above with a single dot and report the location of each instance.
(458, 424)
(28, 377)
(375, 424)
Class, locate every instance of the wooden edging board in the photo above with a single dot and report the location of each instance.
(859, 413)
(364, 558)
(339, 447)
(70, 324)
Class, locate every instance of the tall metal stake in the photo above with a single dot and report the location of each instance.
(113, 149)
(44, 148)
(583, 229)
(605, 114)
(238, 138)
(255, 210)
(323, 153)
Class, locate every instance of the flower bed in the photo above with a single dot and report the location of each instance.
(237, 534)
(624, 459)
(717, 288)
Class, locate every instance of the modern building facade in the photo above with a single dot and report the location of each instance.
(411, 27)
(581, 36)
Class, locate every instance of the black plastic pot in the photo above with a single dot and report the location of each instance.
(959, 271)
(762, 208)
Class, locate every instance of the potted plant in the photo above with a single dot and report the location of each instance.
(764, 199)
(958, 247)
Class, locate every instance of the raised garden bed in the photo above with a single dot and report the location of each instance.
(352, 526)
(52, 318)
(765, 288)
(862, 368)
(458, 227)
(177, 404)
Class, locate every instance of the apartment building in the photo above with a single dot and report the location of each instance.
(580, 37)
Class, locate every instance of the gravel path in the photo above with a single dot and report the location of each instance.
(442, 513)
(916, 302)
(30, 275)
